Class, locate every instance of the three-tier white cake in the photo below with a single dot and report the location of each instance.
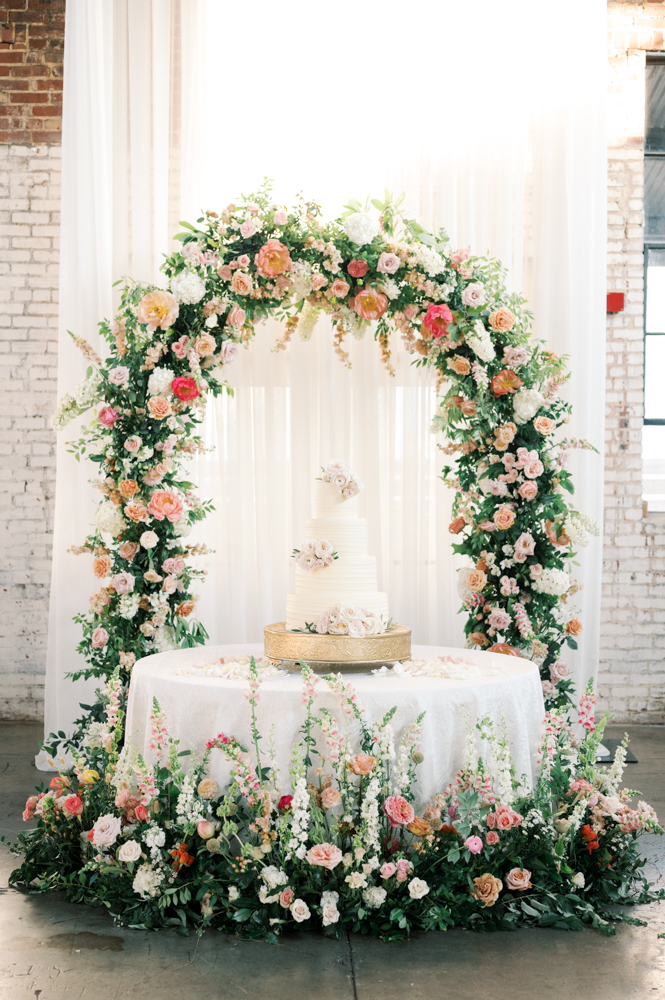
(351, 578)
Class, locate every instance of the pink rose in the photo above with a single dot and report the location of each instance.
(473, 844)
(499, 619)
(403, 869)
(533, 468)
(243, 260)
(411, 311)
(105, 831)
(121, 798)
(492, 838)
(357, 268)
(108, 416)
(205, 829)
(119, 376)
(362, 764)
(535, 571)
(242, 283)
(123, 583)
(286, 897)
(398, 810)
(324, 855)
(503, 820)
(330, 797)
(319, 281)
(558, 671)
(515, 355)
(179, 347)
(388, 263)
(166, 504)
(339, 288)
(518, 879)
(524, 546)
(99, 638)
(387, 870)
(248, 228)
(281, 218)
(133, 443)
(488, 526)
(528, 491)
(174, 565)
(225, 272)
(236, 316)
(73, 805)
(491, 820)
(548, 689)
(142, 814)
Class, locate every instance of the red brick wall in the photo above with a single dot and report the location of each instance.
(32, 41)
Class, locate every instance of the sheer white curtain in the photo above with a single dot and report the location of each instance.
(491, 119)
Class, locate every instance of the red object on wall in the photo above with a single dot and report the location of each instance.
(615, 301)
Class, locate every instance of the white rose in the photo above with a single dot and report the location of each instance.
(347, 612)
(233, 893)
(323, 548)
(330, 914)
(273, 876)
(212, 321)
(418, 888)
(578, 880)
(105, 831)
(337, 465)
(329, 898)
(149, 539)
(356, 880)
(130, 851)
(361, 228)
(356, 629)
(299, 910)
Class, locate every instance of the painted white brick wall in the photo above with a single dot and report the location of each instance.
(29, 228)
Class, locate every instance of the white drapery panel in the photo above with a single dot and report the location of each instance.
(469, 112)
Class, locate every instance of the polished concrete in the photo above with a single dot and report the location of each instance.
(53, 950)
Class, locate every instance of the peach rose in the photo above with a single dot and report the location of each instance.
(504, 518)
(460, 365)
(362, 764)
(158, 309)
(330, 797)
(339, 288)
(100, 638)
(419, 827)
(574, 626)
(456, 526)
(478, 639)
(128, 550)
(165, 504)
(185, 609)
(136, 511)
(370, 304)
(205, 829)
(528, 491)
(127, 488)
(241, 283)
(159, 407)
(518, 879)
(318, 281)
(544, 425)
(272, 259)
(101, 566)
(504, 435)
(236, 316)
(487, 889)
(205, 345)
(505, 382)
(324, 855)
(208, 788)
(468, 407)
(502, 320)
(476, 580)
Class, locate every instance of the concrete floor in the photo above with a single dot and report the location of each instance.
(53, 950)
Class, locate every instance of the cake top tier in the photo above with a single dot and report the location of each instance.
(329, 502)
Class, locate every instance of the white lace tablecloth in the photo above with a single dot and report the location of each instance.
(198, 706)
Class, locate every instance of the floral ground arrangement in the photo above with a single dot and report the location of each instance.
(344, 849)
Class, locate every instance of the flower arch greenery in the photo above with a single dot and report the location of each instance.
(371, 269)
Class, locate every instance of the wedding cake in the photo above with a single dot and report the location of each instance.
(336, 580)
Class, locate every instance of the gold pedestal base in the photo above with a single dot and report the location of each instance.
(335, 653)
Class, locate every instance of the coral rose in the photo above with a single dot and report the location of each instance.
(486, 889)
(492, 838)
(362, 764)
(208, 788)
(419, 827)
(437, 319)
(503, 647)
(108, 416)
(502, 321)
(476, 580)
(100, 638)
(158, 309)
(544, 425)
(184, 387)
(478, 639)
(127, 488)
(504, 518)
(357, 268)
(574, 627)
(456, 526)
(398, 810)
(324, 855)
(101, 566)
(330, 797)
(241, 283)
(236, 316)
(506, 381)
(136, 511)
(185, 609)
(166, 504)
(205, 345)
(339, 288)
(73, 805)
(159, 407)
(128, 550)
(272, 259)
(370, 304)
(458, 364)
(528, 491)
(518, 879)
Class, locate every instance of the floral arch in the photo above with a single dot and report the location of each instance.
(498, 406)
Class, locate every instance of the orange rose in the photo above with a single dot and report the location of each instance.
(159, 407)
(504, 435)
(481, 564)
(362, 764)
(419, 827)
(476, 580)
(504, 518)
(136, 511)
(506, 381)
(242, 283)
(479, 639)
(468, 407)
(186, 608)
(127, 488)
(158, 309)
(503, 647)
(205, 345)
(272, 259)
(460, 365)
(456, 526)
(544, 425)
(574, 626)
(502, 320)
(370, 304)
(487, 889)
(101, 566)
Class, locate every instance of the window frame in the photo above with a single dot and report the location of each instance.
(650, 243)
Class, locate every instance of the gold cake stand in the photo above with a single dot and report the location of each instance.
(335, 653)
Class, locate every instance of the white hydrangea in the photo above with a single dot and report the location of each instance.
(361, 228)
(552, 581)
(430, 261)
(374, 896)
(94, 734)
(109, 518)
(160, 381)
(579, 527)
(526, 403)
(128, 605)
(480, 341)
(147, 881)
(188, 287)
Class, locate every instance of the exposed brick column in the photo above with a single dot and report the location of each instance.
(31, 61)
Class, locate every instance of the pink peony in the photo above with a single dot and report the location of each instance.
(398, 810)
(184, 387)
(387, 870)
(324, 855)
(100, 637)
(108, 416)
(370, 304)
(492, 838)
(388, 263)
(473, 844)
(73, 805)
(123, 583)
(166, 504)
(272, 259)
(437, 319)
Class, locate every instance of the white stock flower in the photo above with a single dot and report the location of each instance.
(361, 228)
(109, 518)
(480, 341)
(430, 261)
(579, 527)
(526, 403)
(188, 287)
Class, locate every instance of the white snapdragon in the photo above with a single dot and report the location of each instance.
(189, 808)
(299, 819)
(369, 812)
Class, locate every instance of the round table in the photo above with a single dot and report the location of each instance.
(197, 708)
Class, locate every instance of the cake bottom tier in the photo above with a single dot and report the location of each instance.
(302, 609)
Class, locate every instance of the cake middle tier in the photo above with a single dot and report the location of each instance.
(348, 575)
(303, 609)
(348, 536)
